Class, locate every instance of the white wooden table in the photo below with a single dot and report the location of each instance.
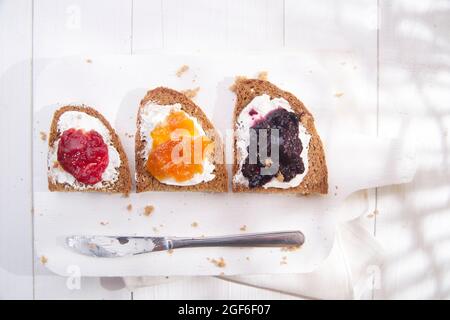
(391, 57)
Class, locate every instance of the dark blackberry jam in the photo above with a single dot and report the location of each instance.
(285, 163)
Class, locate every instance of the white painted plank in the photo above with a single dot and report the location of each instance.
(329, 25)
(203, 24)
(70, 27)
(344, 35)
(147, 32)
(51, 287)
(81, 27)
(189, 26)
(204, 288)
(414, 219)
(16, 280)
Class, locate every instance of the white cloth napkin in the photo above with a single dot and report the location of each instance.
(349, 272)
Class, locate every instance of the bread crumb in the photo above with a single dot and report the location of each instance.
(365, 195)
(170, 251)
(155, 229)
(125, 195)
(283, 260)
(280, 177)
(194, 224)
(130, 207)
(56, 164)
(191, 93)
(43, 136)
(236, 80)
(88, 61)
(222, 273)
(243, 228)
(219, 263)
(373, 214)
(338, 94)
(182, 70)
(263, 75)
(290, 248)
(43, 260)
(247, 258)
(104, 223)
(268, 162)
(148, 210)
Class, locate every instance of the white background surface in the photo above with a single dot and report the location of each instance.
(389, 58)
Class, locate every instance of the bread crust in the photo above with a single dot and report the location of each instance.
(144, 180)
(123, 184)
(316, 179)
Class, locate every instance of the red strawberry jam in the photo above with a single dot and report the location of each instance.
(83, 154)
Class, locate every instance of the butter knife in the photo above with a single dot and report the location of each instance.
(112, 246)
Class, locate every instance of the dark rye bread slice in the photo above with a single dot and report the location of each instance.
(144, 180)
(123, 184)
(316, 180)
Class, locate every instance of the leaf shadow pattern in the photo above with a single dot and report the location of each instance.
(414, 105)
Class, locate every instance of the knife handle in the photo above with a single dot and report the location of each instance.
(271, 239)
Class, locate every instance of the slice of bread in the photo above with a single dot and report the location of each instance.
(316, 179)
(144, 180)
(123, 182)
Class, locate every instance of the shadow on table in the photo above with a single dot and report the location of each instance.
(413, 223)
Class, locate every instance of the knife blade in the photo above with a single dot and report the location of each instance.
(110, 246)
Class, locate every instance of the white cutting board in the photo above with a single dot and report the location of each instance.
(114, 85)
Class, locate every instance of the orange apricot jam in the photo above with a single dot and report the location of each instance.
(177, 150)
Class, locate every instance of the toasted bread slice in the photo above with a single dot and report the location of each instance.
(144, 180)
(316, 179)
(122, 183)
